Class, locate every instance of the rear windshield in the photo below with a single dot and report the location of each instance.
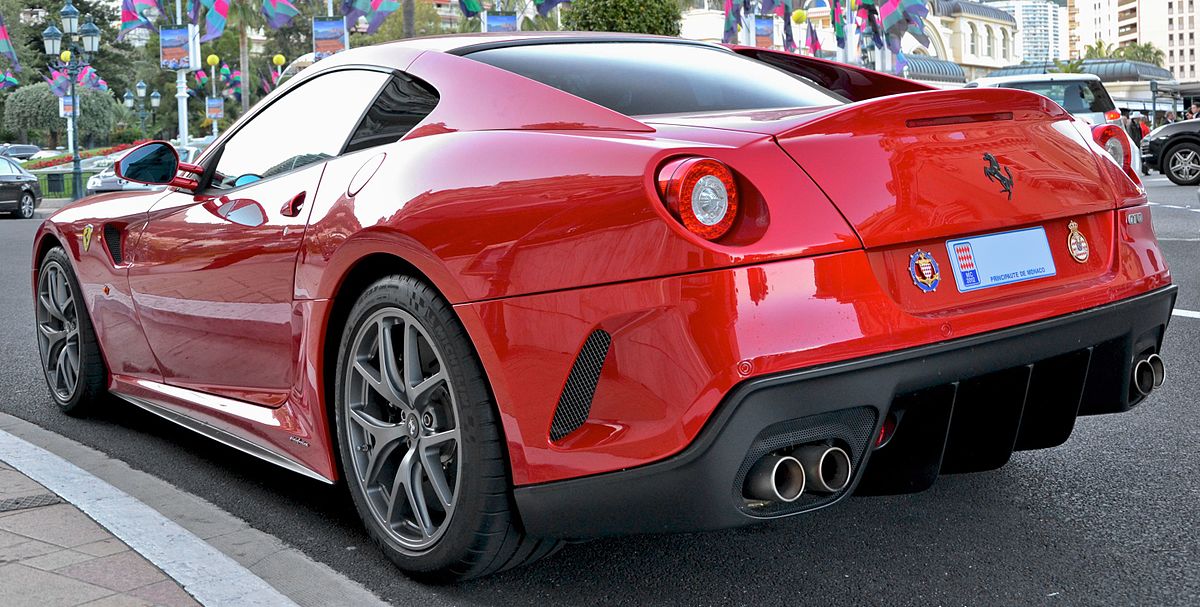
(646, 78)
(1076, 97)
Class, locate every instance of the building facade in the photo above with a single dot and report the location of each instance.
(1041, 28)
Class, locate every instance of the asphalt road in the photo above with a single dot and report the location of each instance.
(1110, 518)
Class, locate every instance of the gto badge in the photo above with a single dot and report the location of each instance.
(924, 270)
(87, 237)
(992, 172)
(1077, 243)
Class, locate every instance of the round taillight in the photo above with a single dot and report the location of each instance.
(701, 194)
(1117, 144)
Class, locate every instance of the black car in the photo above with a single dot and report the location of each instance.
(20, 192)
(19, 151)
(1174, 150)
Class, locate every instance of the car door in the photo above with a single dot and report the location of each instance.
(212, 273)
(10, 182)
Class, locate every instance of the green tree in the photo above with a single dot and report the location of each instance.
(1074, 66)
(32, 112)
(1145, 51)
(245, 16)
(634, 16)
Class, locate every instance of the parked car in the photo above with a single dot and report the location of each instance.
(108, 181)
(19, 151)
(1083, 95)
(523, 289)
(1174, 150)
(20, 192)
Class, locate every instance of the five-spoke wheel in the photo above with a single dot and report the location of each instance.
(70, 355)
(1183, 164)
(404, 432)
(419, 438)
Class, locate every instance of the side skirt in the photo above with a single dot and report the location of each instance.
(162, 408)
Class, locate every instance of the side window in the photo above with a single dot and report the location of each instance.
(403, 103)
(7, 168)
(309, 124)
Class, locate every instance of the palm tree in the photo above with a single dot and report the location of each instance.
(1098, 50)
(244, 16)
(1074, 66)
(1145, 51)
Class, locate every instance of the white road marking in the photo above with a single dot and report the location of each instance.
(1179, 239)
(1186, 313)
(204, 572)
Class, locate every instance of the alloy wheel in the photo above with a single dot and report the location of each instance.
(403, 428)
(1185, 164)
(27, 206)
(58, 330)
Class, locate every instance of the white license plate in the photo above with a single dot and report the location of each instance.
(992, 260)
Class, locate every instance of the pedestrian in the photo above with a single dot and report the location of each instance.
(1135, 128)
(1194, 111)
(1171, 118)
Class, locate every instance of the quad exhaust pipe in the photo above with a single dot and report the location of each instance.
(784, 478)
(1149, 373)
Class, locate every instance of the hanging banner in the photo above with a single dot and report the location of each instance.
(329, 36)
(173, 48)
(764, 31)
(214, 108)
(66, 105)
(501, 21)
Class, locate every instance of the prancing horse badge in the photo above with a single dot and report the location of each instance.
(87, 237)
(993, 173)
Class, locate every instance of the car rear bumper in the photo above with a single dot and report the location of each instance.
(963, 405)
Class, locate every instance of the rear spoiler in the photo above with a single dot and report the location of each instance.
(849, 81)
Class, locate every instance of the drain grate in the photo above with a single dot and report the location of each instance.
(30, 501)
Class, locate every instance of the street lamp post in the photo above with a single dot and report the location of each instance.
(140, 100)
(80, 42)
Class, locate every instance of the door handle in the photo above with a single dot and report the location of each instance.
(292, 207)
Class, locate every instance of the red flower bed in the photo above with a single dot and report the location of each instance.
(49, 162)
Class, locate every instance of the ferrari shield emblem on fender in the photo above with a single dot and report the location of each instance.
(1077, 243)
(924, 270)
(87, 237)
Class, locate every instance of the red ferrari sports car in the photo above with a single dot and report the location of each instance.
(523, 289)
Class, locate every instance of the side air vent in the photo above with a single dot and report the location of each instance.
(112, 239)
(575, 403)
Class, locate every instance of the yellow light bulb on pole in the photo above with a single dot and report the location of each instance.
(65, 56)
(213, 60)
(278, 60)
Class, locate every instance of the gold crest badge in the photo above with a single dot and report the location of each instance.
(1077, 243)
(87, 237)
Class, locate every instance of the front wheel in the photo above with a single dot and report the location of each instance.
(70, 354)
(419, 439)
(1183, 164)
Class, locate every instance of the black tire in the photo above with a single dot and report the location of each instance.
(481, 534)
(92, 375)
(25, 206)
(1189, 150)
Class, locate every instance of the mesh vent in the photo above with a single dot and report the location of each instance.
(850, 428)
(576, 400)
(112, 239)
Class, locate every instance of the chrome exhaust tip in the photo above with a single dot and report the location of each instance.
(1159, 367)
(828, 467)
(1143, 377)
(776, 478)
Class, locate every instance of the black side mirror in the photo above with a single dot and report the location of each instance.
(155, 163)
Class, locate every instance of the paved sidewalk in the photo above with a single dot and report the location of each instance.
(51, 554)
